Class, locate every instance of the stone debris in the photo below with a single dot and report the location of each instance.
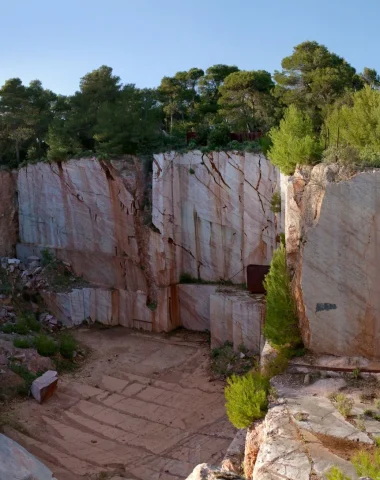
(44, 386)
(207, 472)
(18, 463)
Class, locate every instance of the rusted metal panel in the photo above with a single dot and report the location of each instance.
(255, 278)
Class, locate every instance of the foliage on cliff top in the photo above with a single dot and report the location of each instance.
(281, 325)
(105, 117)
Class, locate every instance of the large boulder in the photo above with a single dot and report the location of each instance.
(18, 463)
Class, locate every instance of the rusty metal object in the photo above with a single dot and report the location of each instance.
(255, 278)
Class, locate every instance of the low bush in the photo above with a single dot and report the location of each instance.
(336, 474)
(246, 398)
(21, 327)
(67, 345)
(7, 328)
(281, 325)
(342, 403)
(45, 345)
(22, 342)
(367, 464)
(225, 361)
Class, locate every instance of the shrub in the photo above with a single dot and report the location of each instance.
(67, 345)
(21, 326)
(275, 203)
(367, 464)
(219, 136)
(343, 404)
(246, 398)
(22, 342)
(45, 345)
(47, 257)
(31, 321)
(7, 327)
(336, 474)
(281, 326)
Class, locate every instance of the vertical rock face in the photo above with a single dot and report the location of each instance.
(215, 209)
(332, 230)
(8, 214)
(207, 215)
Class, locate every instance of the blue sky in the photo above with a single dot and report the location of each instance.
(58, 41)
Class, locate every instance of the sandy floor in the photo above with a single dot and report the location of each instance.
(141, 408)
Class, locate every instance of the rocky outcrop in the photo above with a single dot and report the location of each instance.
(8, 214)
(332, 224)
(208, 216)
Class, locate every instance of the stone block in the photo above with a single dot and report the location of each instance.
(44, 386)
(238, 317)
(194, 306)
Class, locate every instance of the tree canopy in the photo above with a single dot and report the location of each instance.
(106, 117)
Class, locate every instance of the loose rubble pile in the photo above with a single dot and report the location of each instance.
(23, 318)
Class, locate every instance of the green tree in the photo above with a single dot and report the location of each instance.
(357, 126)
(313, 77)
(131, 125)
(371, 77)
(246, 102)
(281, 325)
(18, 118)
(293, 142)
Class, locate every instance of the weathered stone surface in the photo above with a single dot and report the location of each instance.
(214, 210)
(194, 306)
(44, 386)
(92, 215)
(8, 214)
(282, 454)
(115, 307)
(17, 463)
(234, 457)
(237, 316)
(253, 441)
(332, 224)
(207, 472)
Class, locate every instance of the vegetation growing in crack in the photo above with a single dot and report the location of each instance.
(342, 403)
(281, 324)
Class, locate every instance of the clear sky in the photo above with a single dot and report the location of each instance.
(58, 41)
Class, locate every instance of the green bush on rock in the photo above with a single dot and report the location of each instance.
(246, 398)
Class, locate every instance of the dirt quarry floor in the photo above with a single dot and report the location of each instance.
(143, 407)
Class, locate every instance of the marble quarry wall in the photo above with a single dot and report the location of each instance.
(132, 234)
(333, 249)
